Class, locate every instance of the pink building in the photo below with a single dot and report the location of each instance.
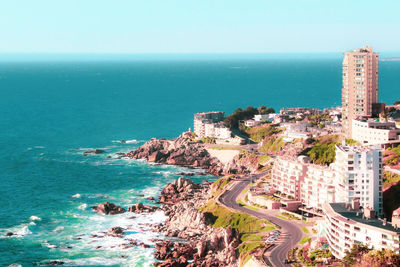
(288, 175)
(360, 85)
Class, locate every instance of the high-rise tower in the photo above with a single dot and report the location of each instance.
(360, 85)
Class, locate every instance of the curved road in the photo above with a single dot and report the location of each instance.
(291, 233)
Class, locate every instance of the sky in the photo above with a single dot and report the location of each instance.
(197, 26)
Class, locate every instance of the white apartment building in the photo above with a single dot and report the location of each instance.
(347, 225)
(374, 132)
(318, 186)
(358, 174)
(210, 124)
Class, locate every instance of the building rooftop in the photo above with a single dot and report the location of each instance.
(358, 149)
(351, 214)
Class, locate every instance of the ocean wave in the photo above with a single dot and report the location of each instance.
(76, 196)
(16, 231)
(35, 218)
(96, 261)
(82, 206)
(58, 229)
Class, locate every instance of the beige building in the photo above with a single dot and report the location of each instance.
(374, 132)
(360, 85)
(348, 224)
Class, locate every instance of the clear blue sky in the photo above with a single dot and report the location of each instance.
(197, 26)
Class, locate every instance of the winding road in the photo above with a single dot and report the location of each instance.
(291, 233)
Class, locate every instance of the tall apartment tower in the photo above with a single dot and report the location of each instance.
(360, 85)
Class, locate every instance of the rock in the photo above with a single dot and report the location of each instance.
(150, 198)
(108, 208)
(140, 208)
(95, 151)
(180, 151)
(9, 234)
(144, 245)
(115, 231)
(54, 263)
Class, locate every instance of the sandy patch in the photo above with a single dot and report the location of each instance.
(225, 155)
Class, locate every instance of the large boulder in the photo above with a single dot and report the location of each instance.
(115, 231)
(108, 208)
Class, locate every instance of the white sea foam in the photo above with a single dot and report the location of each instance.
(23, 231)
(82, 206)
(96, 261)
(133, 141)
(15, 265)
(35, 218)
(76, 196)
(17, 231)
(58, 229)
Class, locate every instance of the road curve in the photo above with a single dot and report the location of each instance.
(291, 233)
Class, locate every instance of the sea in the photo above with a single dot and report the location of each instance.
(55, 107)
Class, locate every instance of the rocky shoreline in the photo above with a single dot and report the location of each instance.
(190, 238)
(185, 151)
(201, 245)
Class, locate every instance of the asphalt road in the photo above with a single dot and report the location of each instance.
(291, 233)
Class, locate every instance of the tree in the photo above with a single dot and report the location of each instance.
(264, 110)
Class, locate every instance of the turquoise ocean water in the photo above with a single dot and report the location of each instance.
(54, 108)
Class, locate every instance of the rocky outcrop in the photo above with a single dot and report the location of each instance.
(205, 245)
(140, 208)
(115, 231)
(95, 151)
(108, 208)
(181, 189)
(180, 151)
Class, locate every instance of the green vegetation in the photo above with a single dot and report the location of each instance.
(390, 178)
(356, 252)
(262, 159)
(397, 102)
(219, 185)
(270, 197)
(246, 248)
(305, 230)
(247, 206)
(320, 253)
(243, 222)
(290, 216)
(281, 217)
(323, 150)
(251, 237)
(232, 121)
(292, 257)
(258, 133)
(392, 156)
(272, 144)
(352, 142)
(264, 110)
(304, 240)
(207, 140)
(319, 119)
